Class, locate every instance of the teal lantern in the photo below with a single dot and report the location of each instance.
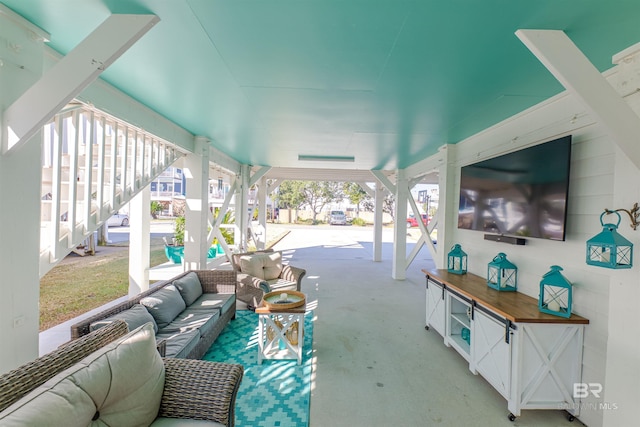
(609, 249)
(457, 260)
(555, 293)
(502, 274)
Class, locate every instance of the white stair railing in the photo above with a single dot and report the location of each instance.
(93, 164)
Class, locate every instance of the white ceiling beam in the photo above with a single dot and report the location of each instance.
(258, 175)
(275, 184)
(370, 191)
(425, 166)
(382, 178)
(71, 75)
(222, 160)
(581, 78)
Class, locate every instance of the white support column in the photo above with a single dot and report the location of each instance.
(262, 213)
(139, 241)
(377, 222)
(20, 180)
(574, 71)
(196, 171)
(71, 75)
(447, 214)
(242, 206)
(399, 265)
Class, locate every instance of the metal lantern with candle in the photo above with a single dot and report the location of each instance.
(502, 274)
(555, 293)
(609, 248)
(457, 260)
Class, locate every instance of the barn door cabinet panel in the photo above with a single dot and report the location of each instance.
(435, 306)
(531, 358)
(492, 350)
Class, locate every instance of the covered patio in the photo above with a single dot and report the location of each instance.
(98, 97)
(373, 361)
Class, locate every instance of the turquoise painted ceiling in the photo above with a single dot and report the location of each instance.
(384, 81)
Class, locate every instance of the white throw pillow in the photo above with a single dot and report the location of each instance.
(266, 266)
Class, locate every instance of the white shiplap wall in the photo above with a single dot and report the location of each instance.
(601, 177)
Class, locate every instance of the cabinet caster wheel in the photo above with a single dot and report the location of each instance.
(512, 417)
(570, 418)
(427, 327)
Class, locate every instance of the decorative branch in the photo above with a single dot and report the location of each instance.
(634, 214)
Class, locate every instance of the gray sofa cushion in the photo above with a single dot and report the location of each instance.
(209, 301)
(135, 317)
(189, 287)
(120, 384)
(192, 319)
(183, 422)
(164, 305)
(179, 344)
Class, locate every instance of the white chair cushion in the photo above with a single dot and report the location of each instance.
(266, 266)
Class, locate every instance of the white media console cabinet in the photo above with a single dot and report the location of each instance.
(531, 358)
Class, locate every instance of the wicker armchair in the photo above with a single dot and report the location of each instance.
(251, 288)
(193, 389)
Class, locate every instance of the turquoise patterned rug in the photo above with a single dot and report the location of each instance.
(276, 393)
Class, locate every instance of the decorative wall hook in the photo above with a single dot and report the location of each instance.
(634, 214)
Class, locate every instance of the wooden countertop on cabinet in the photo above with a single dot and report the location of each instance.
(514, 306)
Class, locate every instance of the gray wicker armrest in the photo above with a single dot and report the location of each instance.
(293, 274)
(256, 282)
(201, 390)
(161, 346)
(217, 281)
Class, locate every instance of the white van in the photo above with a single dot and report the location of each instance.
(337, 217)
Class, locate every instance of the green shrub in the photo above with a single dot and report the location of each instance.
(359, 221)
(178, 230)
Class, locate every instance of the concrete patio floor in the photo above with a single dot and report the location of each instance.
(374, 362)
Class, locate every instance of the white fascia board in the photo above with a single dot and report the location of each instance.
(38, 32)
(424, 166)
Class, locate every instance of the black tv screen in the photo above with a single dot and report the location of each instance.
(523, 193)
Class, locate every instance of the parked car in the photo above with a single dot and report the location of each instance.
(413, 222)
(118, 220)
(337, 218)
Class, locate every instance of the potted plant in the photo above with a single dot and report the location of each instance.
(227, 233)
(213, 250)
(175, 250)
(156, 209)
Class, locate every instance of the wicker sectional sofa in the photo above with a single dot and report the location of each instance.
(115, 377)
(188, 312)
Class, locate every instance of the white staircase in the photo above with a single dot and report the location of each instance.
(92, 165)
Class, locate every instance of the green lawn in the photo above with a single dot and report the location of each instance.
(84, 283)
(73, 288)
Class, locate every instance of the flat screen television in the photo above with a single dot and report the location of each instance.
(523, 193)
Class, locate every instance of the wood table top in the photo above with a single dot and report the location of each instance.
(514, 306)
(295, 310)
